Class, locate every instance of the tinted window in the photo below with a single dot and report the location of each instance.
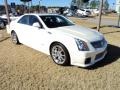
(0, 20)
(33, 19)
(24, 20)
(53, 21)
(82, 9)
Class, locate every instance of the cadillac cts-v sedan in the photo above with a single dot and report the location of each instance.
(59, 37)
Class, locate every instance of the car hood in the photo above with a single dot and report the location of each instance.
(81, 32)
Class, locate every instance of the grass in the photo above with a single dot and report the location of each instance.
(22, 68)
(112, 34)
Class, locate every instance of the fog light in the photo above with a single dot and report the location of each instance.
(88, 60)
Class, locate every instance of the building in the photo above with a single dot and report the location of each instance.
(118, 6)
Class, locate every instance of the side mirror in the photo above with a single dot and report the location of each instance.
(36, 24)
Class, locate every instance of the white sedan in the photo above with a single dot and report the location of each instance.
(57, 36)
(82, 12)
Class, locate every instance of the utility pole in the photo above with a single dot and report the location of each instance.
(31, 6)
(118, 11)
(100, 15)
(28, 7)
(39, 6)
(7, 13)
(119, 17)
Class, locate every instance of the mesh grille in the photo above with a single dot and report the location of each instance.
(98, 44)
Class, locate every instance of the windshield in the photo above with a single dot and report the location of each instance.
(53, 21)
(82, 9)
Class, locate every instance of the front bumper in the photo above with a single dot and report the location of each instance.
(88, 58)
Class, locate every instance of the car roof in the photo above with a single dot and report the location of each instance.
(40, 14)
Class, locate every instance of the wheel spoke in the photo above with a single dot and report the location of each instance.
(58, 54)
(2, 25)
(60, 59)
(14, 38)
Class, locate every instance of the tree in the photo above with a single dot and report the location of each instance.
(35, 8)
(106, 5)
(94, 4)
(25, 0)
(85, 1)
(80, 3)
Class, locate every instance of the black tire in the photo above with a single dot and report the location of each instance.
(2, 25)
(14, 38)
(60, 54)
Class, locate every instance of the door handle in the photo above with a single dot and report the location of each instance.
(49, 33)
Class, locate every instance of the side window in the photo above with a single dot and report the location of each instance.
(33, 19)
(24, 20)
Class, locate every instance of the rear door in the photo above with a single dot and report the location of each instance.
(21, 28)
(34, 34)
(37, 37)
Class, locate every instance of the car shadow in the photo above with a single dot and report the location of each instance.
(112, 56)
(111, 32)
(3, 39)
(102, 26)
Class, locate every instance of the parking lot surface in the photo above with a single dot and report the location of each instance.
(22, 68)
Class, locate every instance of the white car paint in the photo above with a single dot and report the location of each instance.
(82, 12)
(41, 39)
(96, 11)
(12, 18)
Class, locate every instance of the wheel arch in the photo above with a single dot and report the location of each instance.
(12, 31)
(57, 42)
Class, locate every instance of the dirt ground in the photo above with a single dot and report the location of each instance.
(22, 68)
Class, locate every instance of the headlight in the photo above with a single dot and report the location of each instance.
(82, 46)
